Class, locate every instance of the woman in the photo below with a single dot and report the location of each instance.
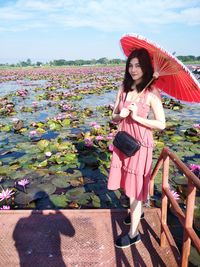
(134, 101)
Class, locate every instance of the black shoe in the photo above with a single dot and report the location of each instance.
(126, 241)
(127, 220)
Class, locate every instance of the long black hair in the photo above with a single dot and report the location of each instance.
(146, 66)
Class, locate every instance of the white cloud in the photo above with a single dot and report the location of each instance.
(104, 15)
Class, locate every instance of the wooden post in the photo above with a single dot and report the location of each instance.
(165, 176)
(188, 223)
(154, 173)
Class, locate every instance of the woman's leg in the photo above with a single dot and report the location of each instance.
(135, 212)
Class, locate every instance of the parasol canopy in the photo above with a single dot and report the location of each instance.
(175, 79)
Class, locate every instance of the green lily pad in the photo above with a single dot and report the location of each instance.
(59, 200)
(47, 187)
(96, 202)
(42, 144)
(60, 181)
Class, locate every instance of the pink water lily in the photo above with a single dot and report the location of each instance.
(110, 147)
(99, 138)
(88, 142)
(4, 207)
(175, 194)
(23, 182)
(193, 167)
(97, 126)
(196, 126)
(93, 123)
(6, 194)
(32, 133)
(35, 104)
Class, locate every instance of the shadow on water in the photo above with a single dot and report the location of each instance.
(38, 237)
(90, 157)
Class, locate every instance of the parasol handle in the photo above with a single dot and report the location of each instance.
(155, 76)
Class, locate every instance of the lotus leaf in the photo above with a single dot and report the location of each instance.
(47, 187)
(66, 122)
(7, 183)
(42, 144)
(64, 146)
(32, 194)
(57, 168)
(59, 200)
(90, 160)
(96, 202)
(70, 158)
(75, 174)
(6, 128)
(40, 130)
(60, 181)
(42, 164)
(75, 192)
(5, 170)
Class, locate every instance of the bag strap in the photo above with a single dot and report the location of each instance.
(133, 101)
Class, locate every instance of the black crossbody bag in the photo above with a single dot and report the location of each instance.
(125, 142)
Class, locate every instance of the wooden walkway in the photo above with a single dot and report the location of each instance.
(80, 238)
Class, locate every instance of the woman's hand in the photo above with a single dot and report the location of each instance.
(156, 75)
(124, 113)
(133, 108)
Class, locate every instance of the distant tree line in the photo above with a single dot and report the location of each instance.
(82, 62)
(188, 58)
(63, 62)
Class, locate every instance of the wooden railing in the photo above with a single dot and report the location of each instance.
(186, 219)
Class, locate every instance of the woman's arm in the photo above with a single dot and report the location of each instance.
(117, 115)
(156, 105)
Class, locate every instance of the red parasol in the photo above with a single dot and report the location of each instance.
(175, 79)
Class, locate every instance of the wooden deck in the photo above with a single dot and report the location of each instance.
(80, 238)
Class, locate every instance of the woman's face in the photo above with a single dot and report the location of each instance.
(135, 70)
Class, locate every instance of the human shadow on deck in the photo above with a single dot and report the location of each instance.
(37, 238)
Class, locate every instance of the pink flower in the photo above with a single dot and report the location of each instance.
(88, 142)
(99, 138)
(175, 194)
(58, 117)
(93, 123)
(196, 126)
(32, 133)
(34, 104)
(193, 167)
(5, 207)
(23, 182)
(110, 147)
(97, 126)
(109, 138)
(6, 194)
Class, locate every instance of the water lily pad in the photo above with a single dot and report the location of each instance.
(49, 188)
(32, 194)
(60, 181)
(59, 200)
(42, 144)
(96, 202)
(90, 160)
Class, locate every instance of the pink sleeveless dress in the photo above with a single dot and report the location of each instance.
(133, 173)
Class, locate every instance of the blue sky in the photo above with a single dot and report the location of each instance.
(43, 30)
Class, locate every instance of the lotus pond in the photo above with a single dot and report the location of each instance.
(56, 138)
